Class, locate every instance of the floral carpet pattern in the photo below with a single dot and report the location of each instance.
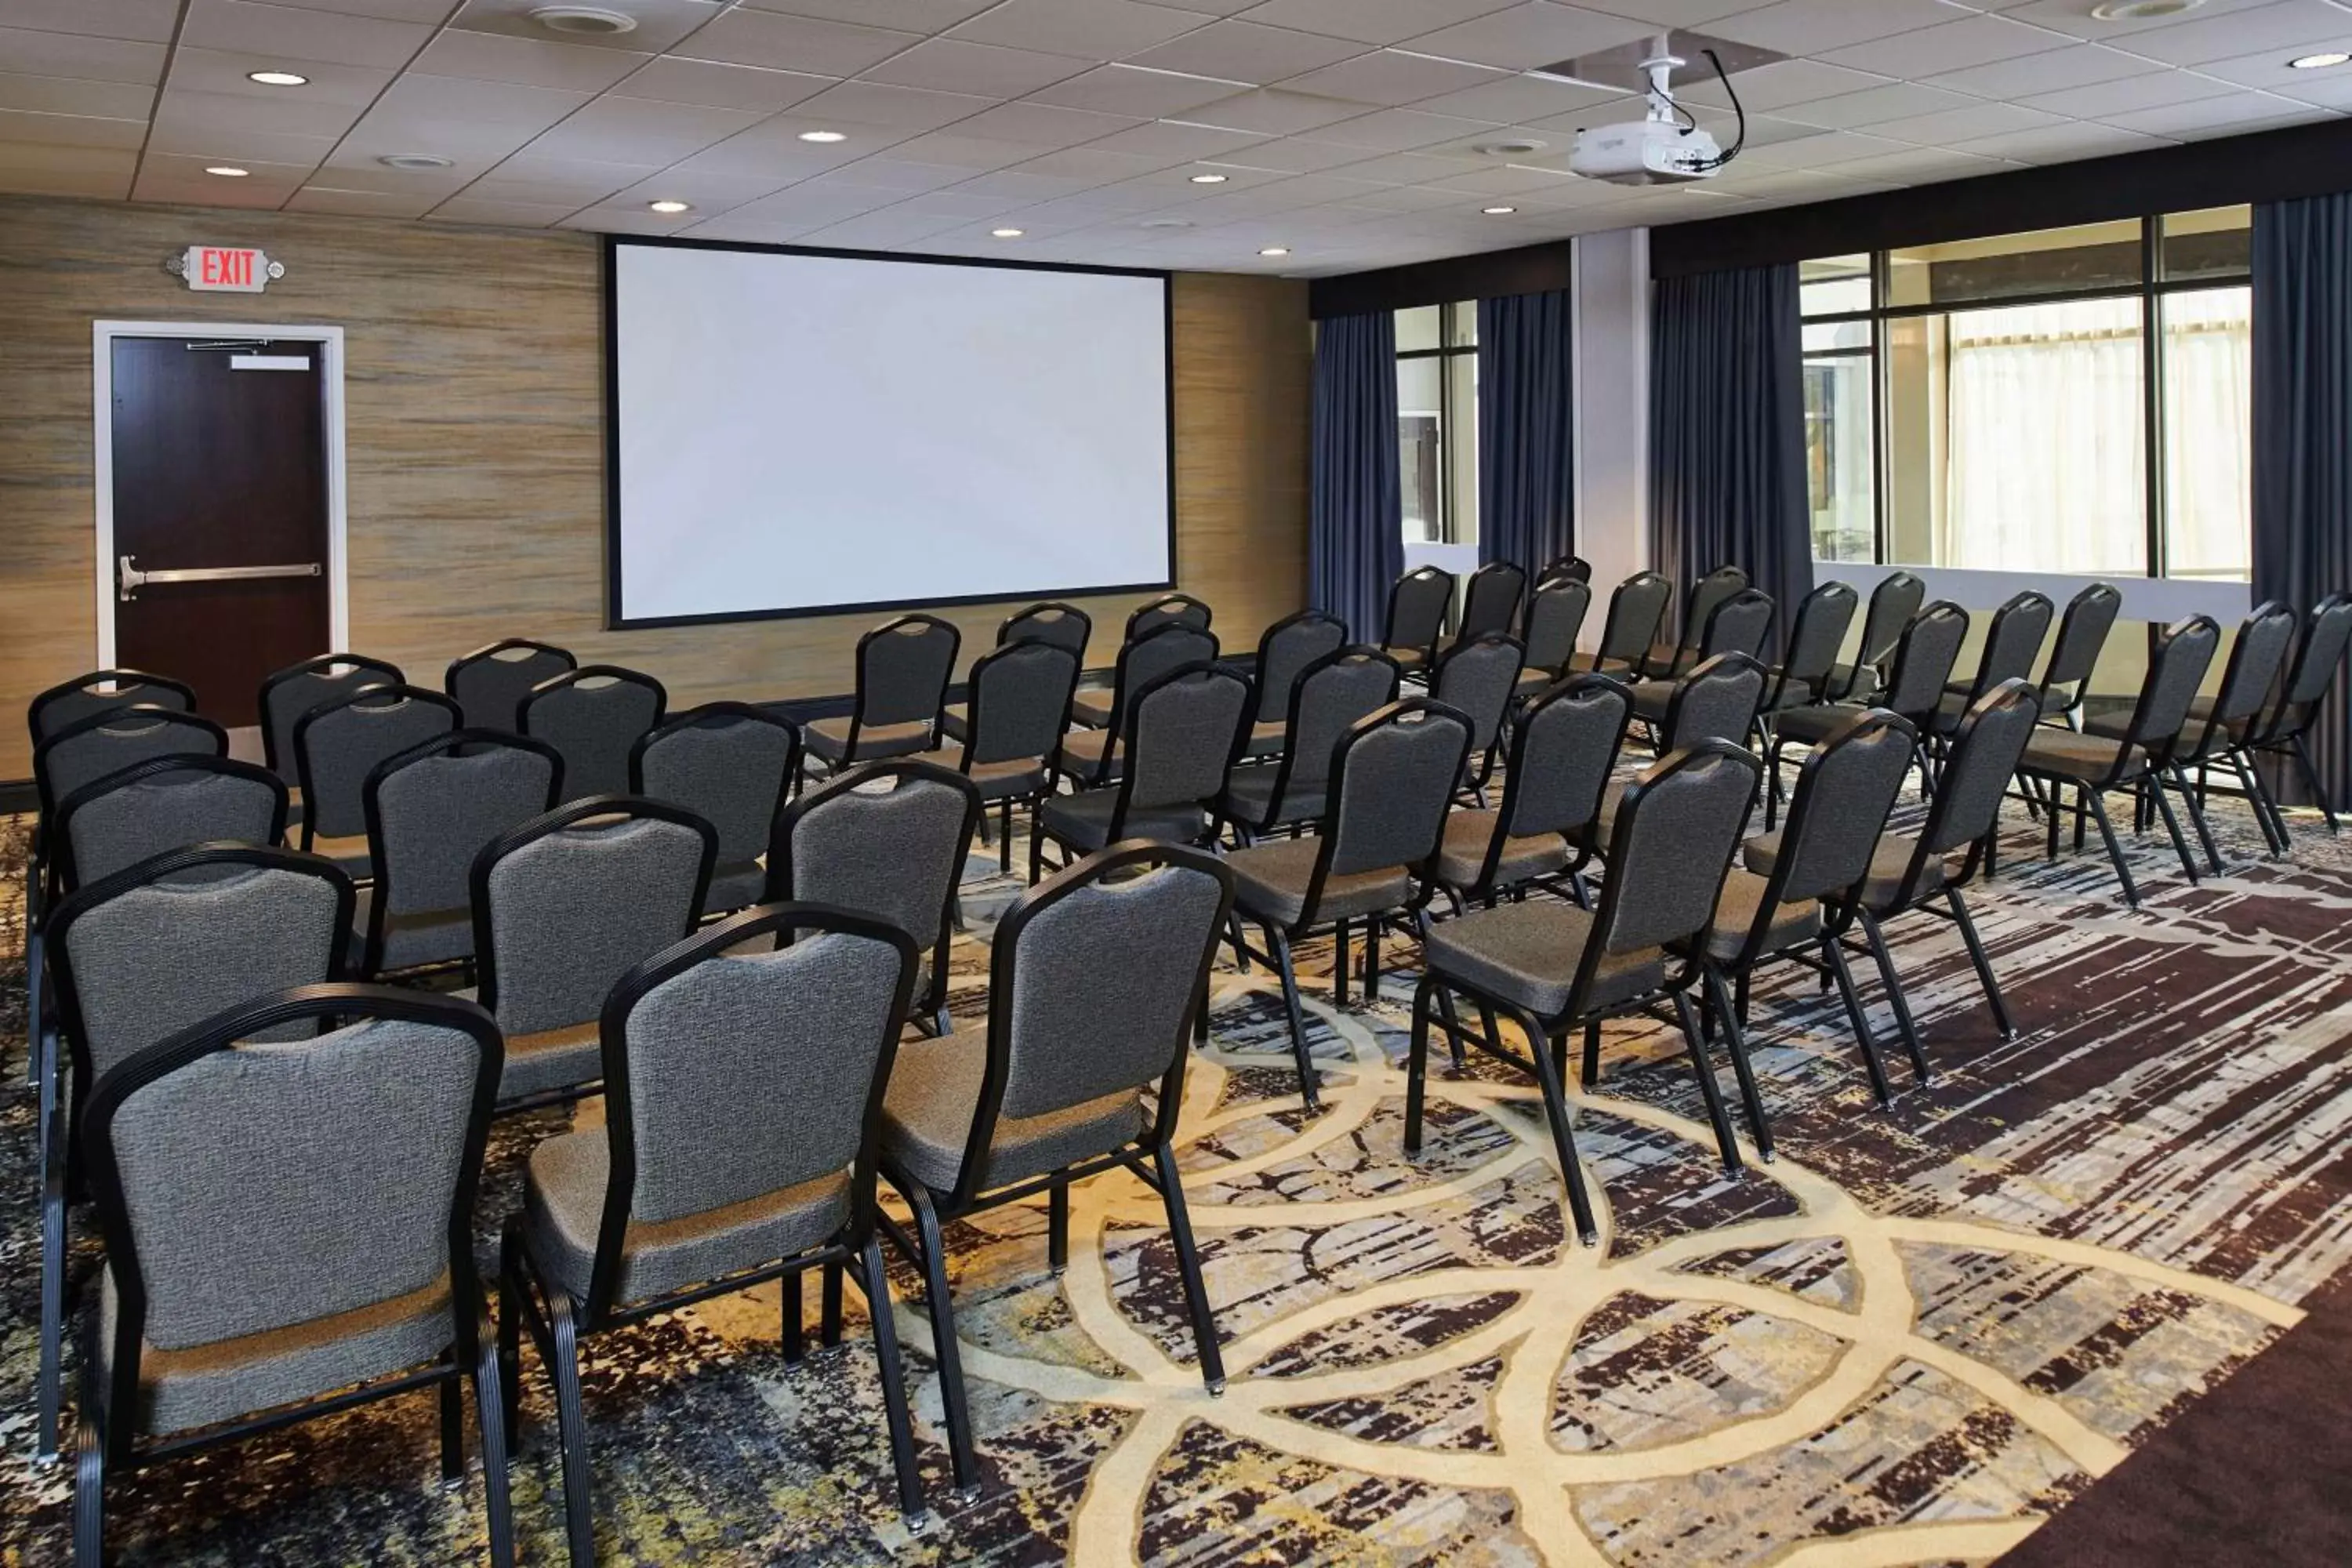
(1908, 1339)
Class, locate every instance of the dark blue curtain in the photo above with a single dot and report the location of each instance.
(2302, 431)
(1356, 539)
(1727, 431)
(1526, 410)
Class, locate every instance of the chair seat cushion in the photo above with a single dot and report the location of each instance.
(829, 739)
(426, 936)
(953, 720)
(735, 886)
(1016, 778)
(934, 1092)
(1588, 663)
(553, 1058)
(2085, 757)
(1249, 797)
(1843, 679)
(1652, 697)
(1670, 659)
(1083, 821)
(1091, 707)
(1735, 912)
(1883, 886)
(1410, 658)
(1527, 954)
(1270, 883)
(1462, 856)
(1084, 755)
(1267, 740)
(1811, 726)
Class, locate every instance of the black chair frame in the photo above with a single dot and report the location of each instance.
(385, 667)
(442, 701)
(117, 678)
(68, 875)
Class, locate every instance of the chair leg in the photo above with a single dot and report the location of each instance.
(1760, 1126)
(874, 1283)
(829, 1306)
(452, 1431)
(511, 1295)
(1188, 1266)
(1835, 952)
(2258, 794)
(35, 976)
(89, 1497)
(1444, 997)
(795, 1334)
(952, 1394)
(1983, 963)
(1707, 1087)
(1339, 966)
(1416, 1064)
(571, 1426)
(54, 1226)
(2310, 772)
(1057, 1226)
(1592, 1074)
(490, 1378)
(1371, 959)
(1895, 996)
(2107, 832)
(1309, 1081)
(1241, 949)
(1563, 1136)
(1004, 837)
(2195, 801)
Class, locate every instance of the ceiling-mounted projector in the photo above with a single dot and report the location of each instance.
(1667, 147)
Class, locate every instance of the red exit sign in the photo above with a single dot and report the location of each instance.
(229, 268)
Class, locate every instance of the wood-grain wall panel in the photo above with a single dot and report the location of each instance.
(474, 409)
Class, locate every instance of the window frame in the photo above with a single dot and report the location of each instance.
(1449, 349)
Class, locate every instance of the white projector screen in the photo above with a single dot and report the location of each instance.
(796, 432)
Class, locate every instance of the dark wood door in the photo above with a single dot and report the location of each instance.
(220, 470)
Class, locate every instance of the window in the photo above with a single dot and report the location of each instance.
(1993, 404)
(1437, 422)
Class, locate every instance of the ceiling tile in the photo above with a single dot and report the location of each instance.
(20, 159)
(1963, 124)
(359, 203)
(1301, 155)
(660, 22)
(1396, 129)
(68, 95)
(1045, 125)
(676, 81)
(487, 57)
(1817, 26)
(1782, 84)
(978, 153)
(2129, 94)
(1010, 185)
(71, 55)
(302, 35)
(619, 217)
(2284, 25)
(1097, 163)
(1391, 77)
(151, 20)
(71, 129)
(906, 16)
(773, 152)
(2062, 142)
(2050, 70)
(501, 214)
(2075, 17)
(1247, 51)
(708, 192)
(2273, 69)
(1170, 139)
(1089, 29)
(1275, 111)
(233, 112)
(1974, 41)
(1514, 100)
(793, 43)
(1920, 165)
(1897, 100)
(1372, 21)
(225, 71)
(1134, 90)
(421, 97)
(952, 65)
(2219, 116)
(528, 178)
(1674, 13)
(908, 108)
(1529, 35)
(201, 191)
(619, 130)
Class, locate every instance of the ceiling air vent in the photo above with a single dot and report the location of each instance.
(583, 21)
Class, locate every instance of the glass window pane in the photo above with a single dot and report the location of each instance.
(1461, 389)
(2217, 242)
(2051, 260)
(1417, 328)
(1838, 457)
(2208, 436)
(1462, 325)
(1833, 285)
(1821, 336)
(1420, 432)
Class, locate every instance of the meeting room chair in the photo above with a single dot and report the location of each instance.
(1571, 567)
(1564, 748)
(595, 716)
(1555, 619)
(733, 765)
(1717, 702)
(1057, 625)
(886, 839)
(1284, 653)
(566, 904)
(430, 809)
(100, 691)
(289, 693)
(1185, 732)
(1550, 967)
(1913, 691)
(1490, 601)
(1418, 603)
(1393, 774)
(1898, 598)
(1637, 615)
(1168, 610)
(1737, 623)
(1056, 1093)
(1330, 698)
(2318, 662)
(744, 1085)
(492, 682)
(164, 804)
(1669, 659)
(904, 667)
(2012, 643)
(328, 1265)
(1477, 676)
(338, 743)
(1803, 678)
(1091, 756)
(1019, 711)
(2075, 656)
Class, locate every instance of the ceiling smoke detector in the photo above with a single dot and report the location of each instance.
(583, 21)
(1518, 147)
(413, 163)
(2141, 10)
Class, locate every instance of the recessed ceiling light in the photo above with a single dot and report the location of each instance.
(413, 163)
(1518, 147)
(590, 21)
(822, 136)
(2141, 10)
(1208, 179)
(2320, 62)
(227, 170)
(670, 206)
(1006, 233)
(1166, 223)
(1275, 250)
(1497, 212)
(277, 79)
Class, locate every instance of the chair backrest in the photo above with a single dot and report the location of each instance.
(356, 1156)
(2184, 652)
(1738, 623)
(1020, 701)
(1824, 617)
(1061, 625)
(1478, 678)
(338, 743)
(2256, 657)
(1571, 567)
(903, 669)
(1563, 749)
(1845, 789)
(736, 1067)
(884, 838)
(1924, 658)
(1185, 733)
(1151, 656)
(111, 740)
(2317, 662)
(1490, 600)
(431, 808)
(1332, 696)
(1555, 616)
(1706, 594)
(1637, 612)
(567, 903)
(492, 682)
(1715, 701)
(1418, 603)
(1985, 753)
(2081, 633)
(727, 762)
(1676, 829)
(1897, 598)
(1288, 646)
(2013, 641)
(1393, 779)
(1168, 610)
(152, 949)
(164, 804)
(298, 689)
(99, 691)
(595, 716)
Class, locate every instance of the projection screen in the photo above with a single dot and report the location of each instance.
(798, 432)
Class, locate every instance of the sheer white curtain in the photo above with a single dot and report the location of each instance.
(2209, 433)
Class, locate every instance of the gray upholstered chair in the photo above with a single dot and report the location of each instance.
(2318, 659)
(1899, 597)
(1330, 697)
(1095, 977)
(1802, 678)
(1490, 600)
(1563, 752)
(338, 743)
(1564, 568)
(1055, 623)
(1091, 756)
(1098, 708)
(288, 694)
(733, 765)
(2075, 656)
(1737, 623)
(743, 1083)
(1418, 603)
(2011, 647)
(2141, 759)
(1637, 615)
(1912, 690)
(566, 904)
(1715, 701)
(903, 669)
(885, 839)
(1706, 596)
(1477, 676)
(1550, 967)
(593, 716)
(149, 951)
(1020, 709)
(164, 804)
(326, 1263)
(1185, 733)
(100, 691)
(492, 682)
(1284, 653)
(1392, 778)
(1168, 610)
(430, 810)
(1555, 618)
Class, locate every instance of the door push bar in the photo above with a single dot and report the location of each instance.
(133, 579)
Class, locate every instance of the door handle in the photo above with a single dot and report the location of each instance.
(132, 579)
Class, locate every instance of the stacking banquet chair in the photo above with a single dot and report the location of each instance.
(1054, 624)
(1707, 594)
(2140, 759)
(1490, 601)
(566, 904)
(149, 951)
(492, 682)
(338, 743)
(293, 692)
(1094, 978)
(1809, 894)
(2304, 697)
(2012, 643)
(903, 669)
(1283, 654)
(1477, 676)
(1568, 567)
(1563, 749)
(1550, 967)
(1737, 623)
(1098, 710)
(164, 804)
(1185, 732)
(743, 1083)
(1637, 613)
(1802, 678)
(1555, 616)
(1020, 709)
(1091, 756)
(1899, 597)
(594, 717)
(100, 691)
(1418, 603)
(326, 1264)
(1717, 702)
(430, 810)
(1392, 778)
(2075, 656)
(1913, 691)
(1918, 873)
(731, 764)
(885, 840)
(1330, 698)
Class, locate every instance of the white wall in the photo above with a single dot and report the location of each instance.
(1612, 288)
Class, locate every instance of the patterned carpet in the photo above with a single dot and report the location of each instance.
(1916, 1334)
